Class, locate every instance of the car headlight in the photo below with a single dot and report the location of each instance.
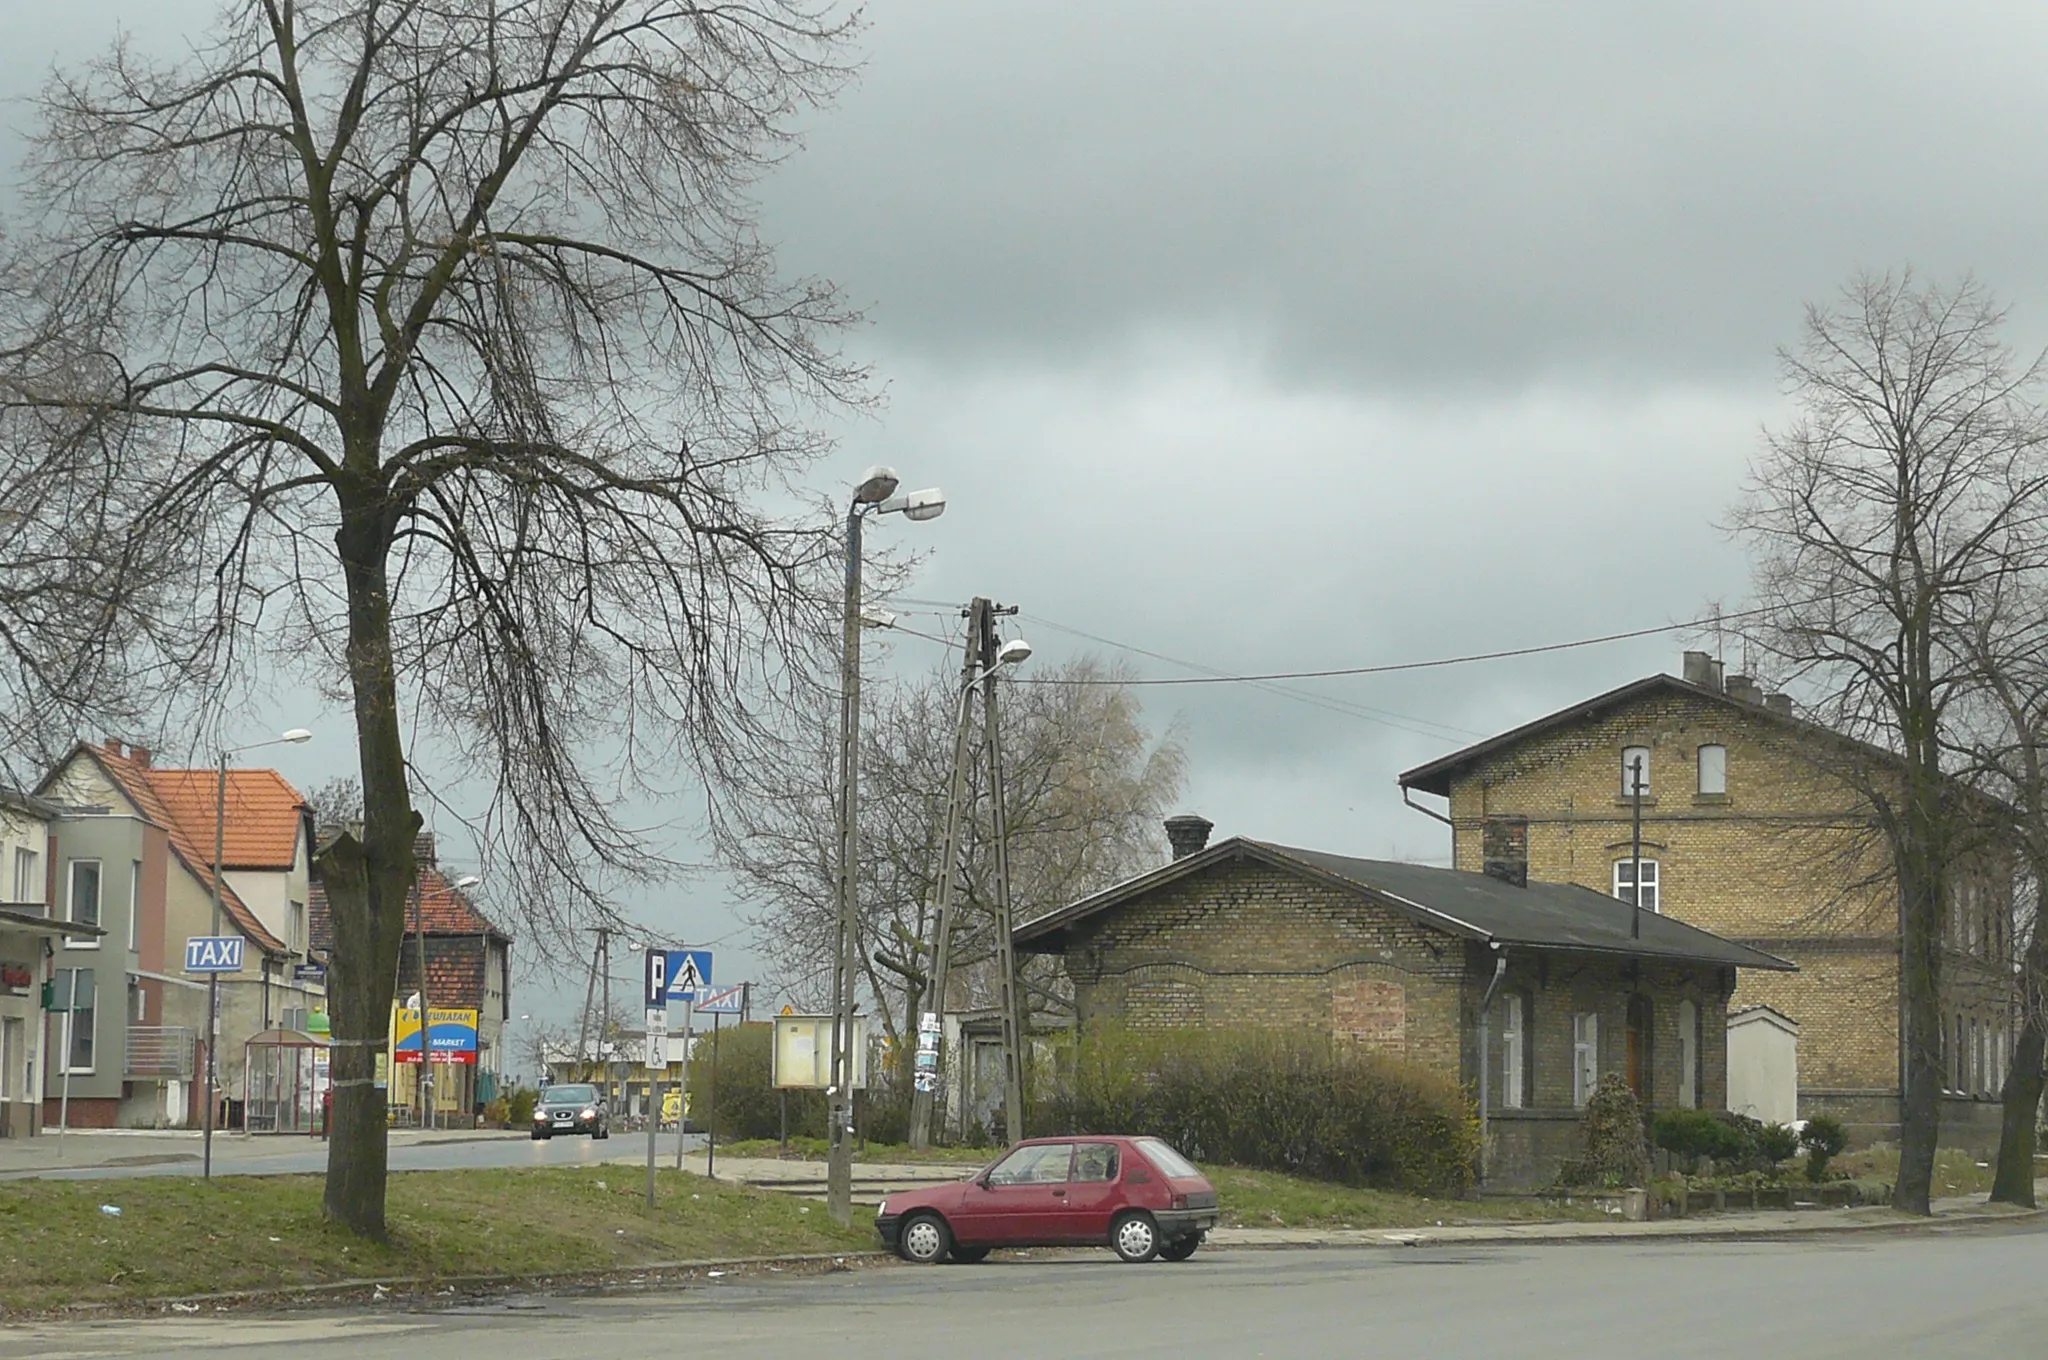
(540, 1116)
(590, 1114)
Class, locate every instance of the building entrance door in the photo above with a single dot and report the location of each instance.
(1639, 1031)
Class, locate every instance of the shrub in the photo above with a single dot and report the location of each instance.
(1825, 1139)
(1271, 1099)
(519, 1106)
(1615, 1154)
(745, 1103)
(1693, 1134)
(499, 1111)
(1776, 1144)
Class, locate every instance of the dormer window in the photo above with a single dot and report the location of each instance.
(1635, 771)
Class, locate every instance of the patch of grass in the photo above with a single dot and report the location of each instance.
(1955, 1172)
(1269, 1199)
(177, 1236)
(815, 1150)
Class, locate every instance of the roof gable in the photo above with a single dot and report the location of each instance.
(132, 779)
(1560, 916)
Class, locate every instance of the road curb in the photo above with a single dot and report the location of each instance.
(1393, 1239)
(413, 1290)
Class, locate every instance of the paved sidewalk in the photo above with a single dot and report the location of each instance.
(82, 1148)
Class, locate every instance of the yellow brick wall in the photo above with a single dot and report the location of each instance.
(1786, 861)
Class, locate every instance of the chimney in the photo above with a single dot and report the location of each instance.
(1699, 670)
(423, 849)
(1780, 704)
(1744, 690)
(140, 755)
(1188, 834)
(1505, 850)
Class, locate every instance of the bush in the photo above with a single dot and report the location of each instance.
(519, 1106)
(1693, 1134)
(1271, 1099)
(499, 1111)
(1615, 1154)
(1825, 1140)
(1776, 1144)
(745, 1103)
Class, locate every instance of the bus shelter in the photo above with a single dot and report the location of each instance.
(283, 1077)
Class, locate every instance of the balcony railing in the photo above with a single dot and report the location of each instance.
(161, 1051)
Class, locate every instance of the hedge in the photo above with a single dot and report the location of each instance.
(1270, 1099)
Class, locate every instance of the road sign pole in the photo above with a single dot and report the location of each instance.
(711, 1104)
(683, 1088)
(212, 1067)
(653, 1129)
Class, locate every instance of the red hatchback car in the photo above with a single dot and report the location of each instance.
(1136, 1196)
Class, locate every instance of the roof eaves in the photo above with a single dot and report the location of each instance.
(1455, 924)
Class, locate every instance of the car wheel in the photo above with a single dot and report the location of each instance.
(1134, 1238)
(970, 1256)
(925, 1240)
(540, 1137)
(602, 1133)
(1180, 1248)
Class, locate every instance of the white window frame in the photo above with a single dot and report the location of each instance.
(1688, 1054)
(1585, 1056)
(1652, 884)
(1514, 1051)
(67, 1033)
(71, 869)
(295, 926)
(135, 906)
(28, 876)
(1713, 770)
(13, 1055)
(1629, 754)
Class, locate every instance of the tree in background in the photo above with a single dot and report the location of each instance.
(1881, 520)
(1087, 784)
(427, 353)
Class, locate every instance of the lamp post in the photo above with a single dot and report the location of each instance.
(922, 1099)
(876, 494)
(295, 737)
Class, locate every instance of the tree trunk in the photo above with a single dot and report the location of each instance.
(1920, 898)
(366, 883)
(2013, 1181)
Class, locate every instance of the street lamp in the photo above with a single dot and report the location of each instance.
(875, 494)
(296, 737)
(1011, 653)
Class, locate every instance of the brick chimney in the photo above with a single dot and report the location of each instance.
(1780, 704)
(1742, 689)
(1504, 849)
(1702, 670)
(423, 849)
(1188, 834)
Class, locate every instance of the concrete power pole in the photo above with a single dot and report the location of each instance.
(1006, 956)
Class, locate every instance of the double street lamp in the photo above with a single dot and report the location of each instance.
(875, 495)
(297, 736)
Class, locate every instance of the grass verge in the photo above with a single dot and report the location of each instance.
(815, 1149)
(177, 1236)
(1956, 1172)
(1268, 1199)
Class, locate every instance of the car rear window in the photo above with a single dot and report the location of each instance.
(1169, 1162)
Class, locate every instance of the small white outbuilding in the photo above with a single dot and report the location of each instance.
(1763, 1064)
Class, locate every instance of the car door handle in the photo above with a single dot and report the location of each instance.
(1060, 1194)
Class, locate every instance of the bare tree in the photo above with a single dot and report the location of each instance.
(1909, 484)
(426, 350)
(1087, 782)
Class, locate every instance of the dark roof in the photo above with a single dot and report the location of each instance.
(1472, 906)
(44, 925)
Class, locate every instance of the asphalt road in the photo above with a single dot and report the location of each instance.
(281, 1156)
(1928, 1294)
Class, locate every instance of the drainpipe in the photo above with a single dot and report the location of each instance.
(1500, 968)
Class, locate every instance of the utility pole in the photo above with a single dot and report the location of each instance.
(845, 955)
(425, 1083)
(926, 1083)
(1635, 867)
(1006, 956)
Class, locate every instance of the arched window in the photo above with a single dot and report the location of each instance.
(1632, 876)
(1635, 760)
(1514, 1051)
(1688, 1055)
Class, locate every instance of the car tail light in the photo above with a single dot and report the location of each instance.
(1180, 1201)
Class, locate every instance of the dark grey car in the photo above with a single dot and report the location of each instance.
(567, 1108)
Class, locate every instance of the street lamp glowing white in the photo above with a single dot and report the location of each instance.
(1012, 653)
(297, 736)
(874, 494)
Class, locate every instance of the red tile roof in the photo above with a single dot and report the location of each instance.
(143, 786)
(264, 814)
(443, 910)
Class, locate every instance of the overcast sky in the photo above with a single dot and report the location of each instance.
(1301, 335)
